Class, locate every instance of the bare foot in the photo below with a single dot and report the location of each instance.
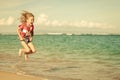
(20, 52)
(26, 57)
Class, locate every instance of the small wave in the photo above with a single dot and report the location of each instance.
(17, 68)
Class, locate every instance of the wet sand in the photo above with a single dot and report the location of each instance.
(13, 76)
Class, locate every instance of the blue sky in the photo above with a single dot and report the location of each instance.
(63, 16)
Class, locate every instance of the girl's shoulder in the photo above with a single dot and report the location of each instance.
(22, 25)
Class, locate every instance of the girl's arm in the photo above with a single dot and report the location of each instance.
(32, 34)
(31, 38)
(18, 32)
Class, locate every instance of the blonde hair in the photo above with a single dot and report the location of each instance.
(25, 15)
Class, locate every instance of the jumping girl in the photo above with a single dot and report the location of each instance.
(25, 33)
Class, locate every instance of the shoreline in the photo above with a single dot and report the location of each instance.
(12, 76)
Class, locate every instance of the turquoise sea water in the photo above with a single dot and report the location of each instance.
(58, 53)
(66, 47)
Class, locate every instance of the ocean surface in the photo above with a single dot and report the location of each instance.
(64, 57)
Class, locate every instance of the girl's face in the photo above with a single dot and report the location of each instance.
(30, 20)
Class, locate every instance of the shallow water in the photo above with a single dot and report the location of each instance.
(63, 57)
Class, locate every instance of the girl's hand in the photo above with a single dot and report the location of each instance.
(20, 38)
(30, 38)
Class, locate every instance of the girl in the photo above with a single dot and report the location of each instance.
(25, 33)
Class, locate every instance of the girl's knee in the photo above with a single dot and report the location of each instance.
(28, 50)
(34, 51)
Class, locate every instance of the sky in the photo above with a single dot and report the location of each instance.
(63, 16)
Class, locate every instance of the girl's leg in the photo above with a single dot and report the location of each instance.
(25, 50)
(32, 50)
(20, 52)
(31, 46)
(26, 57)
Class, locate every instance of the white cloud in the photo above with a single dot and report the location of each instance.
(43, 20)
(8, 21)
(2, 21)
